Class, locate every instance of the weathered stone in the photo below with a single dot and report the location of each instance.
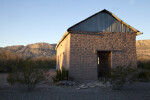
(66, 83)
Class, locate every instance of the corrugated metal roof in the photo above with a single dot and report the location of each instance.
(105, 11)
(116, 27)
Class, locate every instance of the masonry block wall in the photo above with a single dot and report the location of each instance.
(84, 47)
(63, 54)
(83, 43)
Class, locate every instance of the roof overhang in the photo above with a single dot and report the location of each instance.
(63, 37)
(110, 13)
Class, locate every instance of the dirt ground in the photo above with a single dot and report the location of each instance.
(137, 91)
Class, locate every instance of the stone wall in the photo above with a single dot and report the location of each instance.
(84, 47)
(63, 54)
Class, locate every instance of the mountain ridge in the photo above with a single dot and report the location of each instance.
(143, 48)
(35, 50)
(38, 50)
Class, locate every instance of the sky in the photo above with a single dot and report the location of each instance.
(25, 22)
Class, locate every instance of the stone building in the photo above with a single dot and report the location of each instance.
(93, 46)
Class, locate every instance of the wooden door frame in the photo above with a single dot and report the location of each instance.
(98, 56)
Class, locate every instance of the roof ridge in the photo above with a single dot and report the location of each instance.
(114, 16)
(86, 19)
(104, 10)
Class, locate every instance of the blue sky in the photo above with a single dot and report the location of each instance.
(24, 22)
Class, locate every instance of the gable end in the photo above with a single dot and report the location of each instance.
(103, 21)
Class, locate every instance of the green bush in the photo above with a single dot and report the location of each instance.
(7, 60)
(144, 67)
(119, 76)
(61, 75)
(143, 76)
(144, 64)
(28, 73)
(47, 61)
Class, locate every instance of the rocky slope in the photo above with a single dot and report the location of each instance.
(33, 50)
(143, 48)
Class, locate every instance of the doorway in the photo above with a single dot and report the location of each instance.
(103, 63)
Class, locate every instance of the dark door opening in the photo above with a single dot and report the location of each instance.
(104, 63)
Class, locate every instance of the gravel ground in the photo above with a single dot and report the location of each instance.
(138, 91)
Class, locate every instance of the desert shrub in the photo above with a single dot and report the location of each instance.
(28, 73)
(53, 62)
(144, 66)
(61, 75)
(143, 76)
(119, 76)
(143, 62)
(48, 61)
(7, 60)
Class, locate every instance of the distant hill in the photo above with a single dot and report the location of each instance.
(143, 48)
(36, 50)
(48, 50)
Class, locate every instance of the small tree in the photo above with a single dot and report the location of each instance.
(28, 73)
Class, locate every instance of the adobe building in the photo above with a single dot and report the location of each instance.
(93, 46)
